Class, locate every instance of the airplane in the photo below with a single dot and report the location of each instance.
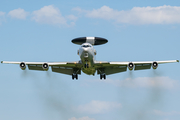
(87, 62)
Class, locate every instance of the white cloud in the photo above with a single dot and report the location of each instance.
(137, 15)
(50, 15)
(83, 118)
(161, 113)
(72, 17)
(18, 13)
(162, 82)
(98, 107)
(2, 13)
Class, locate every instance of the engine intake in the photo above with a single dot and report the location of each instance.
(22, 65)
(130, 66)
(154, 65)
(45, 66)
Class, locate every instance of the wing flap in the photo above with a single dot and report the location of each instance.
(142, 66)
(35, 67)
(63, 70)
(111, 70)
(66, 70)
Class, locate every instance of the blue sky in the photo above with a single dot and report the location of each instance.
(136, 30)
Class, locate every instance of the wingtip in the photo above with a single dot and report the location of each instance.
(177, 60)
(1, 61)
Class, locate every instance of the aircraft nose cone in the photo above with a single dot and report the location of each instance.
(85, 52)
(85, 49)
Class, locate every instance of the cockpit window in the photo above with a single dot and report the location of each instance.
(86, 46)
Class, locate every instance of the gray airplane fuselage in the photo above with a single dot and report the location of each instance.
(87, 54)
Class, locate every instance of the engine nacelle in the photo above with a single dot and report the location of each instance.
(22, 65)
(130, 66)
(45, 66)
(154, 65)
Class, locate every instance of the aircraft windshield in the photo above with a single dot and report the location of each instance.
(86, 46)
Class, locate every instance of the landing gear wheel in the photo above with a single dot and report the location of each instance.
(86, 65)
(76, 77)
(103, 76)
(72, 76)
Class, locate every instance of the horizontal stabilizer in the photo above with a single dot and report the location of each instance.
(91, 40)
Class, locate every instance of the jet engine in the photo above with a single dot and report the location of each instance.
(154, 65)
(130, 66)
(45, 66)
(22, 65)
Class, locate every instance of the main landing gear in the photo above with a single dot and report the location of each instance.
(74, 76)
(86, 65)
(102, 76)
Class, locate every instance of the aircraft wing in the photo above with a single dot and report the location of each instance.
(61, 67)
(116, 67)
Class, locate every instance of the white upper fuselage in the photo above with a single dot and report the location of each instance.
(88, 64)
(87, 54)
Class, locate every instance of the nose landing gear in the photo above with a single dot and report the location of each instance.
(86, 65)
